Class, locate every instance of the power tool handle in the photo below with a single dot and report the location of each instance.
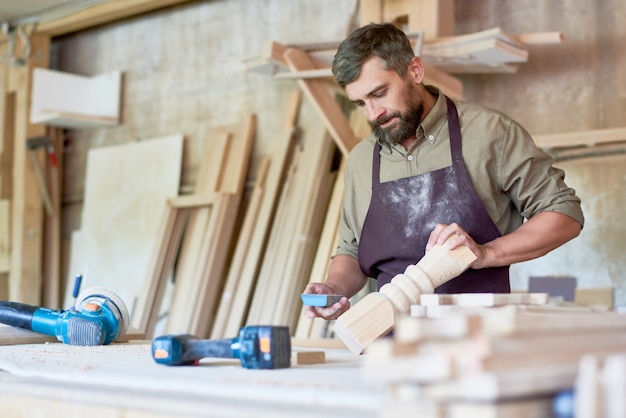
(199, 349)
(17, 314)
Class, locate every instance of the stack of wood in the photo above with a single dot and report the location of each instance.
(489, 51)
(493, 355)
(484, 52)
(229, 259)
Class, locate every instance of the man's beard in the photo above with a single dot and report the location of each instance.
(405, 127)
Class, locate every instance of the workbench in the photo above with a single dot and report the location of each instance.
(58, 380)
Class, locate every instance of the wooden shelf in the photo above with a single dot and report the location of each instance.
(75, 101)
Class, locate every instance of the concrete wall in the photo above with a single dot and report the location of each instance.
(184, 73)
(575, 86)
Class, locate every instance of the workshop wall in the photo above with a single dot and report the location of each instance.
(184, 73)
(578, 85)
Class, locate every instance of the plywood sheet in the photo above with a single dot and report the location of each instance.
(126, 188)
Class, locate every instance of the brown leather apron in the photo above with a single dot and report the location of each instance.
(403, 212)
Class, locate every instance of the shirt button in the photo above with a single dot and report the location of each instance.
(431, 137)
(410, 158)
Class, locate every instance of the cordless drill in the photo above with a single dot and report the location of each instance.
(257, 347)
(99, 318)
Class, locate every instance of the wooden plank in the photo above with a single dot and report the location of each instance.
(288, 259)
(485, 299)
(599, 297)
(522, 320)
(449, 85)
(311, 217)
(192, 201)
(216, 152)
(600, 386)
(201, 301)
(614, 385)
(321, 343)
(196, 292)
(53, 283)
(250, 223)
(159, 270)
(370, 11)
(247, 273)
(433, 17)
(300, 357)
(26, 208)
(100, 14)
(318, 327)
(540, 407)
(5, 240)
(326, 247)
(514, 383)
(539, 38)
(589, 401)
(7, 134)
(280, 241)
(581, 138)
(118, 232)
(415, 329)
(324, 103)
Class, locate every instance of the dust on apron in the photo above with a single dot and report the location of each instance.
(403, 212)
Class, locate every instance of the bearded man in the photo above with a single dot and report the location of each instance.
(433, 168)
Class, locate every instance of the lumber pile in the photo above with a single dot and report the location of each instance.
(228, 259)
(600, 387)
(293, 239)
(490, 355)
(489, 51)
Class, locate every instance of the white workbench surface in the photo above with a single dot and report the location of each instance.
(121, 380)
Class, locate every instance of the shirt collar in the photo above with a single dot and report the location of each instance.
(431, 125)
(433, 122)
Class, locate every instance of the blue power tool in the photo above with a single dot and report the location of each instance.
(258, 347)
(99, 317)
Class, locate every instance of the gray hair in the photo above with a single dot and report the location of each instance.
(382, 40)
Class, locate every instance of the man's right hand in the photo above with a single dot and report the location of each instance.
(327, 312)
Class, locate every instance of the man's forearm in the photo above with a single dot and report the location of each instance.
(345, 276)
(536, 237)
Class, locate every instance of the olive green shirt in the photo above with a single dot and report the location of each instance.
(512, 177)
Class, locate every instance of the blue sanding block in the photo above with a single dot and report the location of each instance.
(312, 299)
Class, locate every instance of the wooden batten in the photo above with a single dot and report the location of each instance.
(582, 138)
(100, 14)
(484, 299)
(209, 231)
(244, 270)
(323, 101)
(25, 278)
(292, 241)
